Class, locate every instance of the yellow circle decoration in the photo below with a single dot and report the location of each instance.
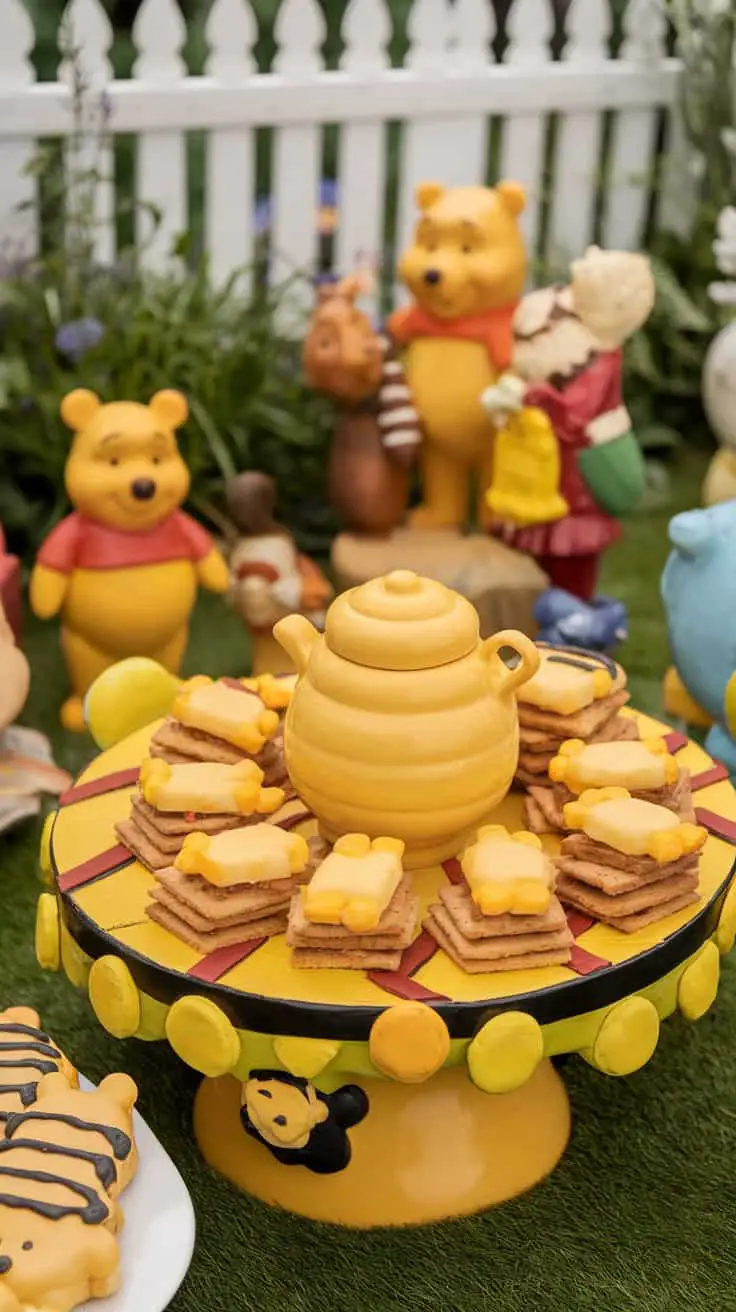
(627, 1038)
(409, 1042)
(48, 936)
(76, 964)
(506, 1052)
(698, 986)
(44, 850)
(726, 931)
(114, 997)
(202, 1036)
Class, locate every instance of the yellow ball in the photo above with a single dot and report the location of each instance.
(48, 935)
(506, 1052)
(114, 997)
(698, 986)
(409, 1042)
(202, 1036)
(627, 1038)
(44, 851)
(726, 931)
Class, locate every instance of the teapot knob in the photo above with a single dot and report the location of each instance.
(401, 582)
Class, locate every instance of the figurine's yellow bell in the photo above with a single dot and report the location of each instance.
(526, 471)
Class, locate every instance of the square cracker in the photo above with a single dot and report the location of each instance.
(218, 904)
(147, 852)
(499, 946)
(266, 927)
(619, 729)
(173, 824)
(474, 925)
(534, 813)
(537, 764)
(612, 881)
(339, 938)
(581, 848)
(476, 966)
(631, 924)
(169, 843)
(610, 907)
(334, 959)
(581, 725)
(202, 924)
(393, 922)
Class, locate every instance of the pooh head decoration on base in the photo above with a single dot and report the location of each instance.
(123, 569)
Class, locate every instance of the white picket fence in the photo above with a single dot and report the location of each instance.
(445, 96)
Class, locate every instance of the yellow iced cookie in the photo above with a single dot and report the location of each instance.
(253, 855)
(355, 883)
(508, 873)
(565, 684)
(613, 817)
(633, 765)
(203, 787)
(238, 717)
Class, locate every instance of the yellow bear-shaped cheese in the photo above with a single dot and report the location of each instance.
(237, 717)
(256, 854)
(565, 685)
(355, 883)
(206, 788)
(637, 766)
(613, 817)
(275, 692)
(508, 873)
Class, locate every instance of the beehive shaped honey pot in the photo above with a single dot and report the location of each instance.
(403, 721)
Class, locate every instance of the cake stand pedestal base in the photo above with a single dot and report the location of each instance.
(424, 1152)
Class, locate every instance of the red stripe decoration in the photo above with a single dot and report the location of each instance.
(106, 863)
(585, 963)
(453, 870)
(675, 742)
(400, 983)
(717, 825)
(216, 964)
(108, 783)
(578, 922)
(716, 773)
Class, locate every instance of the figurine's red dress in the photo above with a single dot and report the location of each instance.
(568, 550)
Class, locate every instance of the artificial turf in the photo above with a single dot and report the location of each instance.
(639, 1217)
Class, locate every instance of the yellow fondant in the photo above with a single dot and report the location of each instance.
(699, 983)
(506, 1052)
(564, 689)
(114, 997)
(202, 1036)
(48, 935)
(76, 964)
(631, 826)
(274, 693)
(127, 697)
(204, 787)
(355, 883)
(508, 872)
(237, 717)
(306, 1058)
(409, 1042)
(252, 855)
(631, 765)
(627, 1038)
(44, 850)
(726, 929)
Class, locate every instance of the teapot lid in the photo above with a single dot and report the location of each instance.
(402, 622)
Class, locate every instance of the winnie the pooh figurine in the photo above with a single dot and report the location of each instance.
(123, 569)
(465, 269)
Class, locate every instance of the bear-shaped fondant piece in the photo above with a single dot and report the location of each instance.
(465, 269)
(699, 593)
(123, 569)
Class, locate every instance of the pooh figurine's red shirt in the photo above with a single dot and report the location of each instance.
(493, 329)
(81, 543)
(586, 530)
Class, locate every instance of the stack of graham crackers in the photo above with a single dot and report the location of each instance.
(632, 862)
(646, 769)
(358, 911)
(232, 888)
(226, 722)
(505, 916)
(572, 695)
(174, 801)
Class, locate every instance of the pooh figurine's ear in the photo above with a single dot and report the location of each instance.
(427, 193)
(120, 1089)
(170, 408)
(78, 408)
(513, 196)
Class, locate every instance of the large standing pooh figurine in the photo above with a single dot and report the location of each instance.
(465, 269)
(123, 569)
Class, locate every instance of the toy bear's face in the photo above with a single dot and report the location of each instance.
(124, 468)
(343, 354)
(468, 254)
(45, 1263)
(283, 1114)
(613, 292)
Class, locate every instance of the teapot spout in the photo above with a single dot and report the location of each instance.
(297, 637)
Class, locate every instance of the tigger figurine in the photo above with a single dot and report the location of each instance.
(27, 1054)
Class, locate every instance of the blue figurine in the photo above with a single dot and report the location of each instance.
(566, 621)
(699, 593)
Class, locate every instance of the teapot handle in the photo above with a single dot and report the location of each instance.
(503, 679)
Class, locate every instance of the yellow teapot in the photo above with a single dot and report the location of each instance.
(403, 722)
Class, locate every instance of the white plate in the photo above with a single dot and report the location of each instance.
(157, 1240)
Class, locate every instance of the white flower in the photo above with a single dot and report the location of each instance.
(722, 293)
(724, 246)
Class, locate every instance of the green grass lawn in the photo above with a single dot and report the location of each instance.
(640, 1216)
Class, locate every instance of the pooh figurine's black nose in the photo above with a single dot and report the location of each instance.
(5, 1265)
(433, 276)
(143, 489)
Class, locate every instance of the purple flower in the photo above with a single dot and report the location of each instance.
(75, 339)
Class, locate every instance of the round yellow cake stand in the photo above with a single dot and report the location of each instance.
(465, 1108)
